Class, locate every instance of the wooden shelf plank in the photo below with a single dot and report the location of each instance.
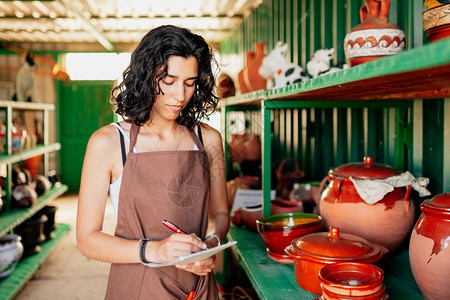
(273, 280)
(28, 266)
(421, 72)
(12, 218)
(24, 154)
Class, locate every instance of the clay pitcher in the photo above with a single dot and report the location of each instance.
(429, 249)
(252, 78)
(243, 87)
(375, 37)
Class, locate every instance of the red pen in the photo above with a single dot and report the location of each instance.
(191, 295)
(173, 227)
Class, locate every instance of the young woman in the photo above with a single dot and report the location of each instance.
(159, 164)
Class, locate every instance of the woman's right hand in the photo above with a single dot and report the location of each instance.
(173, 246)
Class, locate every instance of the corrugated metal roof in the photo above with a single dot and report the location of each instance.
(96, 25)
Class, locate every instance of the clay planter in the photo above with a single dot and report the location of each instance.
(49, 225)
(387, 222)
(375, 37)
(352, 280)
(32, 233)
(429, 252)
(11, 250)
(436, 19)
(278, 231)
(314, 251)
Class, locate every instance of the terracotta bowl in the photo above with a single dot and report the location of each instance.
(250, 215)
(283, 206)
(351, 279)
(278, 231)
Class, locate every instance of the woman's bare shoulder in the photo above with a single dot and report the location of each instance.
(105, 138)
(211, 136)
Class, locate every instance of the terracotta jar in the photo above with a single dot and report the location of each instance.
(387, 222)
(242, 79)
(436, 19)
(429, 249)
(314, 251)
(375, 37)
(252, 78)
(237, 146)
(253, 147)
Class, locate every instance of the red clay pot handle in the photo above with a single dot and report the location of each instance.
(337, 188)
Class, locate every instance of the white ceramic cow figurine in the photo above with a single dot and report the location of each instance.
(278, 71)
(320, 63)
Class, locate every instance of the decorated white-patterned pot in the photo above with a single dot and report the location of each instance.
(375, 37)
(436, 19)
(11, 250)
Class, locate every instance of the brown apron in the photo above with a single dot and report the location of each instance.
(171, 185)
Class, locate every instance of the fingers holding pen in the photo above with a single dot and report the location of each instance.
(174, 246)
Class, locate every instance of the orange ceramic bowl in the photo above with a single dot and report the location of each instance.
(278, 231)
(351, 279)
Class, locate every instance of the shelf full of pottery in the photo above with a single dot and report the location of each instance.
(26, 191)
(377, 66)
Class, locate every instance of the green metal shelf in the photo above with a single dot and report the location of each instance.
(29, 265)
(273, 280)
(421, 72)
(24, 154)
(14, 217)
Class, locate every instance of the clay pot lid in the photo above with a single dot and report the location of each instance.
(334, 246)
(365, 170)
(440, 202)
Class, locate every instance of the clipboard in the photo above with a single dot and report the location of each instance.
(193, 257)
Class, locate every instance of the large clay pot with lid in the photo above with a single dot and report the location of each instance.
(375, 37)
(386, 222)
(429, 248)
(314, 251)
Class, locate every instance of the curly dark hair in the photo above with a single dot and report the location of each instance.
(133, 98)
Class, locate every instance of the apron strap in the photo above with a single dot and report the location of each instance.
(196, 139)
(133, 136)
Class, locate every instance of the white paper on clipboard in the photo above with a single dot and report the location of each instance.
(191, 258)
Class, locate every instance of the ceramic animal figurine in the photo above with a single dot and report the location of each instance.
(24, 80)
(278, 71)
(320, 63)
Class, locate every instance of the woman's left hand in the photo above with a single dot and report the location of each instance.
(201, 268)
